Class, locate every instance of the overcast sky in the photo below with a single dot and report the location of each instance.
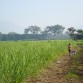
(24, 13)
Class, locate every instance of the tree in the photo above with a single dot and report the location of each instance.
(56, 29)
(12, 36)
(12, 33)
(33, 29)
(80, 31)
(0, 33)
(0, 36)
(71, 31)
(26, 31)
(79, 34)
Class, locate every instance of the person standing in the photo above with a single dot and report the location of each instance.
(69, 48)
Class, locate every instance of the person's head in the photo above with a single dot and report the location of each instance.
(69, 44)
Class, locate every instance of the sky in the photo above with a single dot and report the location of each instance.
(24, 13)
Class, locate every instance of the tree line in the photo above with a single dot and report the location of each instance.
(50, 32)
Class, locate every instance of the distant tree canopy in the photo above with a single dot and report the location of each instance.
(33, 29)
(56, 29)
(0, 33)
(80, 31)
(75, 34)
(12, 33)
(49, 32)
(71, 30)
(0, 36)
(79, 34)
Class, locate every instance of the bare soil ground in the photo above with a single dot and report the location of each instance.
(64, 70)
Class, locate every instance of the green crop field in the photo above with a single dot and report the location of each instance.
(22, 59)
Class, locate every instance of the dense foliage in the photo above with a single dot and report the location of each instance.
(19, 60)
(50, 32)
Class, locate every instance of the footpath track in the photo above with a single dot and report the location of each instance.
(64, 70)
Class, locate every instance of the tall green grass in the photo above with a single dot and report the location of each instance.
(19, 60)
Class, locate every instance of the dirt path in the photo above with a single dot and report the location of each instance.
(65, 70)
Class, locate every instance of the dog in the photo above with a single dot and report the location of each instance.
(72, 52)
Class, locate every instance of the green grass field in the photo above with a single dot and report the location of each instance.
(22, 59)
